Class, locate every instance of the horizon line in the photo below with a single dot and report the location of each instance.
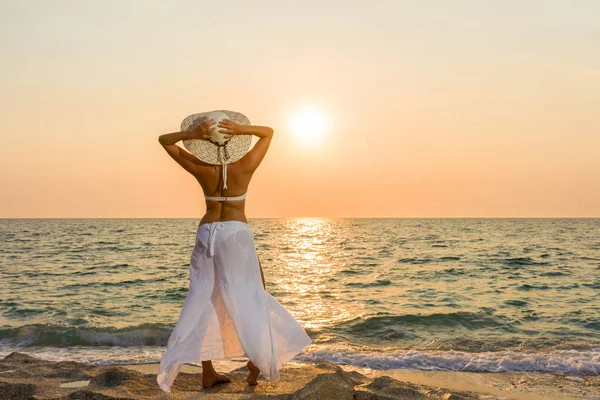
(315, 217)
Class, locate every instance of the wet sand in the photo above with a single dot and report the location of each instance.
(26, 377)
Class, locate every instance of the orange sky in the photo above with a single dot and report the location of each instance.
(437, 109)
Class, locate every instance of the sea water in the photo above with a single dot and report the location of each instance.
(447, 294)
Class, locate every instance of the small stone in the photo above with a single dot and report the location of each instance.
(575, 379)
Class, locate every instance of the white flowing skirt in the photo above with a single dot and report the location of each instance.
(227, 313)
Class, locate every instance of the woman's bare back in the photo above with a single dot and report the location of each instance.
(211, 181)
(210, 176)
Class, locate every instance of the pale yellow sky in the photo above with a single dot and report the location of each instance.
(437, 108)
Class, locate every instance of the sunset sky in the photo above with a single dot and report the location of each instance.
(434, 108)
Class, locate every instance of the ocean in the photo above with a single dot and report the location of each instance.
(488, 295)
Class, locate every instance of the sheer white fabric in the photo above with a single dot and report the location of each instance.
(227, 313)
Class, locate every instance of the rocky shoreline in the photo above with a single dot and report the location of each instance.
(25, 377)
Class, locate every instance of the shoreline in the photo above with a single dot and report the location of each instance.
(23, 376)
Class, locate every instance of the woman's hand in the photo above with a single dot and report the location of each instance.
(229, 128)
(202, 131)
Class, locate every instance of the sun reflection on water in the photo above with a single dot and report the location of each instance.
(306, 271)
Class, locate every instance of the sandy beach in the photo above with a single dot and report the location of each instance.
(25, 377)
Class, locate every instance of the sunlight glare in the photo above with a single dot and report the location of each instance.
(309, 124)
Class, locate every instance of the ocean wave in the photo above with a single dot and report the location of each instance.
(148, 334)
(571, 362)
(379, 282)
(470, 320)
(579, 360)
(410, 260)
(523, 261)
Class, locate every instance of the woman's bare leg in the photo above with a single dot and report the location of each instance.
(210, 377)
(254, 371)
(262, 276)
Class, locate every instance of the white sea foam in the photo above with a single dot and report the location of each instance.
(571, 362)
(97, 355)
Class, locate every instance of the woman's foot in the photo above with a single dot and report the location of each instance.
(254, 371)
(211, 379)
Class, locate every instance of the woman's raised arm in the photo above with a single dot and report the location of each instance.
(253, 158)
(187, 160)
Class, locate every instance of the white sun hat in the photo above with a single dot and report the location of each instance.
(217, 149)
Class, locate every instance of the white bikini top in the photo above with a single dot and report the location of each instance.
(222, 198)
(219, 198)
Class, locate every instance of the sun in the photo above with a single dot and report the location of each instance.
(309, 124)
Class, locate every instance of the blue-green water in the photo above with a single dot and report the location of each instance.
(462, 294)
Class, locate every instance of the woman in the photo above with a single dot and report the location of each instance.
(227, 312)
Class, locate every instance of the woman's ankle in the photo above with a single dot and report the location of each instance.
(208, 368)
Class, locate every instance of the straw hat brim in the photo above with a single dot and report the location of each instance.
(205, 150)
